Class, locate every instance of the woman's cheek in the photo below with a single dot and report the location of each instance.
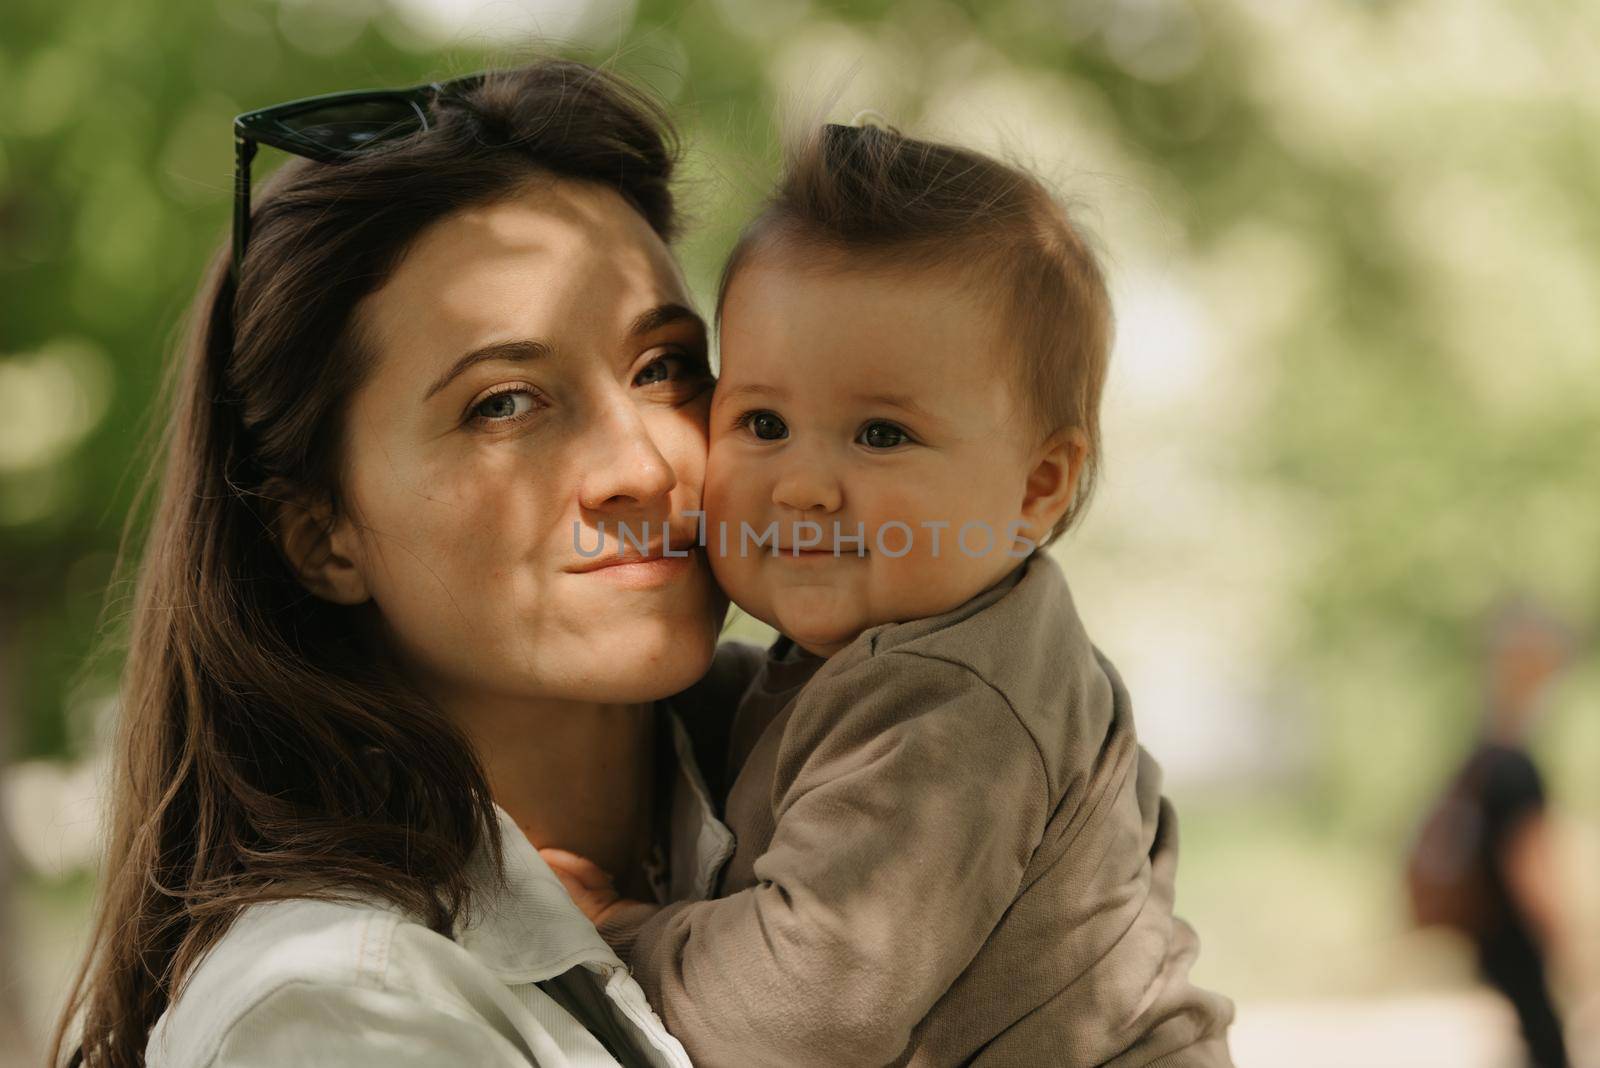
(687, 430)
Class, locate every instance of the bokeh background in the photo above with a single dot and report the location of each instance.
(1355, 251)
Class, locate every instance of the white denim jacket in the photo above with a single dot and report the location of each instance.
(341, 985)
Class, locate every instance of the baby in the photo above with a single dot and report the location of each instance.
(950, 847)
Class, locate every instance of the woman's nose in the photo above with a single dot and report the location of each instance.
(627, 466)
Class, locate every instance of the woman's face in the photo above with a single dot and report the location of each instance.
(538, 373)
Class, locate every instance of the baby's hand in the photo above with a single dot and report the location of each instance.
(591, 889)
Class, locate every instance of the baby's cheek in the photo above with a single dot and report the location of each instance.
(721, 481)
(731, 573)
(737, 498)
(896, 502)
(727, 509)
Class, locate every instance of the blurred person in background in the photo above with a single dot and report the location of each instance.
(369, 669)
(1484, 861)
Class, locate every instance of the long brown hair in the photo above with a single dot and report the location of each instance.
(265, 751)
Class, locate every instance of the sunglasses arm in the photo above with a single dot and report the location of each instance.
(244, 150)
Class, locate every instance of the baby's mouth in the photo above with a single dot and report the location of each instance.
(841, 553)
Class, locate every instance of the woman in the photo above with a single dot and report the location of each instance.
(370, 667)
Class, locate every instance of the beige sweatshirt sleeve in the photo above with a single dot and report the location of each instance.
(908, 801)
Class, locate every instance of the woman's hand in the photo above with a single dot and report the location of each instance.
(592, 889)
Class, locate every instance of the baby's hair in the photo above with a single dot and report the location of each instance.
(868, 192)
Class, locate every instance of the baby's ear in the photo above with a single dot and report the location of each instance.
(1053, 480)
(322, 549)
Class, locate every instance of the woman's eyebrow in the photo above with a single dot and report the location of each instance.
(524, 349)
(662, 315)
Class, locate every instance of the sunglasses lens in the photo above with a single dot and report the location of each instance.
(349, 127)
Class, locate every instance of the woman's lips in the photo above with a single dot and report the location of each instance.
(645, 572)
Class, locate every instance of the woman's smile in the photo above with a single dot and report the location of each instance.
(647, 572)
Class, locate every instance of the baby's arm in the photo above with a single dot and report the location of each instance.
(908, 801)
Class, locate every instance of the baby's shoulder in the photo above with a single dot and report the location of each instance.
(1046, 686)
(911, 690)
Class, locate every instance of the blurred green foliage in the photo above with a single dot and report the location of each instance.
(1415, 187)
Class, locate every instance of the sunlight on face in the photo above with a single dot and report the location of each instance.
(867, 400)
(537, 369)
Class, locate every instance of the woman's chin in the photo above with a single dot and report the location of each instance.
(651, 659)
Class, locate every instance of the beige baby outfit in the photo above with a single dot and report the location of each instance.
(951, 849)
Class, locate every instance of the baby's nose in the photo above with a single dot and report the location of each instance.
(809, 488)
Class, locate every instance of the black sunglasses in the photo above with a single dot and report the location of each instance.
(329, 129)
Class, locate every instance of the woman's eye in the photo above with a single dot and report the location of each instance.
(768, 426)
(673, 366)
(883, 436)
(510, 406)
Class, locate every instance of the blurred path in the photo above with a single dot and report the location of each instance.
(1458, 1030)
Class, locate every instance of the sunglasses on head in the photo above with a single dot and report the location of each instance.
(328, 129)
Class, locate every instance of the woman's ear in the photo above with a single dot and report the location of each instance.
(322, 550)
(1053, 480)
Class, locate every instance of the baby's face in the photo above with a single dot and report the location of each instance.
(883, 400)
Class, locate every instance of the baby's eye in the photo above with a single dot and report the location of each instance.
(768, 426)
(883, 436)
(509, 406)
